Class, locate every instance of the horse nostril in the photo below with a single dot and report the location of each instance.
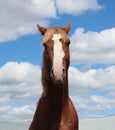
(63, 70)
(64, 73)
(58, 75)
(52, 75)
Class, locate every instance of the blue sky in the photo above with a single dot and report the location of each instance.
(92, 70)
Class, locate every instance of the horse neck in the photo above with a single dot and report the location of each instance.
(56, 94)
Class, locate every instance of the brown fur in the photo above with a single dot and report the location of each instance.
(55, 111)
(49, 33)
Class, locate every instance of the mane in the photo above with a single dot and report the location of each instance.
(49, 33)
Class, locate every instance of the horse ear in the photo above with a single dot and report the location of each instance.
(41, 29)
(67, 28)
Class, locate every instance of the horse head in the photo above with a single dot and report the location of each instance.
(56, 43)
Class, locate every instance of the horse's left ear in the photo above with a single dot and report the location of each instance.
(41, 29)
(67, 28)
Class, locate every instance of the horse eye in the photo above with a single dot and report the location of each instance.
(44, 45)
(67, 43)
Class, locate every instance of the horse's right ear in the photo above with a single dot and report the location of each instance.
(41, 29)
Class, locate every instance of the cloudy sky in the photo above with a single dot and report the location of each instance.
(92, 70)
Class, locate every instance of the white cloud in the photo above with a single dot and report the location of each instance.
(19, 84)
(23, 113)
(77, 7)
(92, 91)
(102, 100)
(93, 47)
(95, 80)
(18, 18)
(21, 78)
(103, 103)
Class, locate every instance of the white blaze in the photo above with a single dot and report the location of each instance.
(58, 57)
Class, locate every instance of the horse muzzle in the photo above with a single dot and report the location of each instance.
(58, 76)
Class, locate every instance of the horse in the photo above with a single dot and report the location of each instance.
(55, 110)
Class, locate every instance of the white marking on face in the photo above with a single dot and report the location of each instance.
(58, 57)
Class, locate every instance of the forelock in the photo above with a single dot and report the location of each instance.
(55, 30)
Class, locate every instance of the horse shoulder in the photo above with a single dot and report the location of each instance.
(73, 111)
(69, 119)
